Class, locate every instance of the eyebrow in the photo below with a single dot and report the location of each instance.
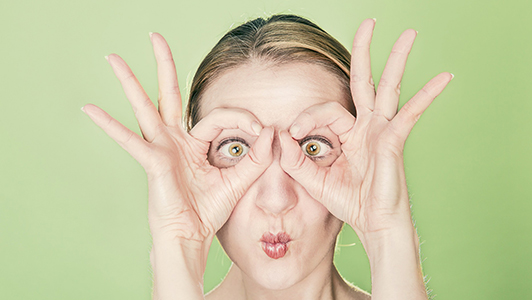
(317, 138)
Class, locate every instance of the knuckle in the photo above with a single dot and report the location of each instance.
(128, 76)
(159, 129)
(173, 90)
(109, 123)
(305, 116)
(168, 58)
(146, 102)
(397, 89)
(427, 93)
(399, 52)
(409, 110)
(384, 82)
(365, 79)
(127, 138)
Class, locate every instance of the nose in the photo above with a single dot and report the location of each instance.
(276, 190)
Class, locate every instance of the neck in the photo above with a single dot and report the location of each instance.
(324, 283)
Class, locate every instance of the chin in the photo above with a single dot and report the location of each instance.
(275, 279)
(275, 274)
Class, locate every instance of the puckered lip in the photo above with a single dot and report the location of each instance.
(281, 237)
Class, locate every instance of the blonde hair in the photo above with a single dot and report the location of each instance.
(278, 39)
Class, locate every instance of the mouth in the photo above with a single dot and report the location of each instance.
(275, 245)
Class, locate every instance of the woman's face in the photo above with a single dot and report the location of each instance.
(276, 205)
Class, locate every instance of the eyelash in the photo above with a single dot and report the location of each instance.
(228, 141)
(302, 142)
(317, 138)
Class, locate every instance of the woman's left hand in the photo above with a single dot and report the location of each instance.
(366, 185)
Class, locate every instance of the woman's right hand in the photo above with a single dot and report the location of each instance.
(189, 199)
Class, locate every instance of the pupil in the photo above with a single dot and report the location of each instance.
(313, 149)
(235, 150)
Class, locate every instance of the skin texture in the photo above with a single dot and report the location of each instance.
(191, 197)
(275, 202)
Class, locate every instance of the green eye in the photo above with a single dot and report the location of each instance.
(312, 148)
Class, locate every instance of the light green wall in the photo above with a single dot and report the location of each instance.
(73, 204)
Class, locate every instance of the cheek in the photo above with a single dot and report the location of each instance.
(323, 222)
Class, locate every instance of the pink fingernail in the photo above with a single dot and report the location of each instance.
(256, 127)
(83, 108)
(452, 76)
(150, 33)
(375, 19)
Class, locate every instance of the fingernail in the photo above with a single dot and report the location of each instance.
(280, 138)
(107, 57)
(294, 129)
(256, 127)
(83, 108)
(375, 19)
(452, 76)
(150, 33)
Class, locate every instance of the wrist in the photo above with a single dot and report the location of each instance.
(381, 244)
(393, 255)
(380, 229)
(178, 267)
(194, 251)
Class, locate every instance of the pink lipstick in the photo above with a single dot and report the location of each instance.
(275, 246)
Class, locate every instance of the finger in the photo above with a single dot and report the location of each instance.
(127, 139)
(362, 86)
(407, 117)
(296, 164)
(169, 95)
(145, 112)
(331, 114)
(390, 83)
(208, 128)
(259, 157)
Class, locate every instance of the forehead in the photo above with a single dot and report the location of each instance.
(276, 95)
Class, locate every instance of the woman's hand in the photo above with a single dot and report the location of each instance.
(365, 186)
(188, 198)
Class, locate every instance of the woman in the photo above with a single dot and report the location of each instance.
(274, 161)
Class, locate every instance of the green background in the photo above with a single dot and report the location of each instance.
(73, 204)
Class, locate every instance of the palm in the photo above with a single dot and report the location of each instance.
(175, 163)
(189, 198)
(365, 173)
